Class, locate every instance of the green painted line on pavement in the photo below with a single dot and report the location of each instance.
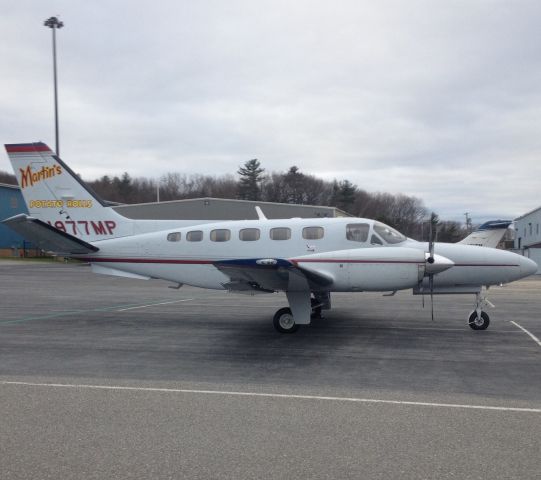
(72, 312)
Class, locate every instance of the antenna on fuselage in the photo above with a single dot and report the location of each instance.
(260, 214)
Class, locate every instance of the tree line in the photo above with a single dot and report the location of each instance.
(404, 212)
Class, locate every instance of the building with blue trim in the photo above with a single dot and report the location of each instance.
(11, 203)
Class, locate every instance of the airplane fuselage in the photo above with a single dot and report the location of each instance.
(348, 250)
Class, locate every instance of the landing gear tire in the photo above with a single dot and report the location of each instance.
(284, 322)
(479, 323)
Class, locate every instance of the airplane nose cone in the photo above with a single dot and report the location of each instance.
(527, 266)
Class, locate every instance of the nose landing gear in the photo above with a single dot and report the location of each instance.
(479, 319)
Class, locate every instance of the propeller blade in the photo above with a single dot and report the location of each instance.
(431, 283)
(432, 268)
(430, 241)
(433, 233)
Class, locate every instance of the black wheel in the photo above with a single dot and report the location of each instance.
(284, 322)
(316, 311)
(479, 323)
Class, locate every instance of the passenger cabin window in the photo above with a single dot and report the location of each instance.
(375, 240)
(357, 232)
(390, 235)
(194, 236)
(249, 234)
(173, 237)
(220, 235)
(312, 233)
(282, 233)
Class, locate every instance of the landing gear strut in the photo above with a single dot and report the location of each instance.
(320, 301)
(478, 319)
(316, 308)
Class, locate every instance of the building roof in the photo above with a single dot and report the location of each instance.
(528, 213)
(209, 208)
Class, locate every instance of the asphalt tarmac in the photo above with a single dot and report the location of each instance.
(106, 377)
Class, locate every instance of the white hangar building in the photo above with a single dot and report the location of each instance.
(528, 236)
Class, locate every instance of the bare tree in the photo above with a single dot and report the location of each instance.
(8, 178)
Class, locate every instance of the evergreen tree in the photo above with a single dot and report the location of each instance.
(251, 176)
(294, 185)
(346, 195)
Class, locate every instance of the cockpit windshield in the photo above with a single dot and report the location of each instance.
(390, 235)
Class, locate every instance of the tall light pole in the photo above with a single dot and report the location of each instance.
(468, 222)
(53, 23)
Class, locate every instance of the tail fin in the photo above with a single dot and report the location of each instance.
(489, 234)
(55, 195)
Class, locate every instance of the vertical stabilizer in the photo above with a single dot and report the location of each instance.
(55, 195)
(489, 234)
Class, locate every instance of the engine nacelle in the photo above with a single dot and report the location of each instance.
(368, 269)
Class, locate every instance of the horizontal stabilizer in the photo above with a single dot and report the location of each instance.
(116, 273)
(47, 237)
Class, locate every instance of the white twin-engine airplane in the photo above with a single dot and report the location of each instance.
(306, 258)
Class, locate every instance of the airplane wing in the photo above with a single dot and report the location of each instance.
(47, 237)
(267, 275)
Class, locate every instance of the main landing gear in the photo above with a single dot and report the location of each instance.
(284, 321)
(479, 319)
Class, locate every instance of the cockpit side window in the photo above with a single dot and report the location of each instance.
(357, 232)
(390, 235)
(375, 240)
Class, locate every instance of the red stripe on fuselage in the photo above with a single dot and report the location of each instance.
(209, 262)
(486, 265)
(295, 261)
(148, 260)
(334, 260)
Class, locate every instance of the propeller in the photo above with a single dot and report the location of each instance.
(433, 233)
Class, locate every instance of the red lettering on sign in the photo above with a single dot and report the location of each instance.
(60, 226)
(72, 224)
(99, 228)
(84, 223)
(110, 226)
(82, 227)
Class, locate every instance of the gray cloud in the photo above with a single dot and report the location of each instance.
(438, 100)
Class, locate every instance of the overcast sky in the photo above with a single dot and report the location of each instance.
(437, 99)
